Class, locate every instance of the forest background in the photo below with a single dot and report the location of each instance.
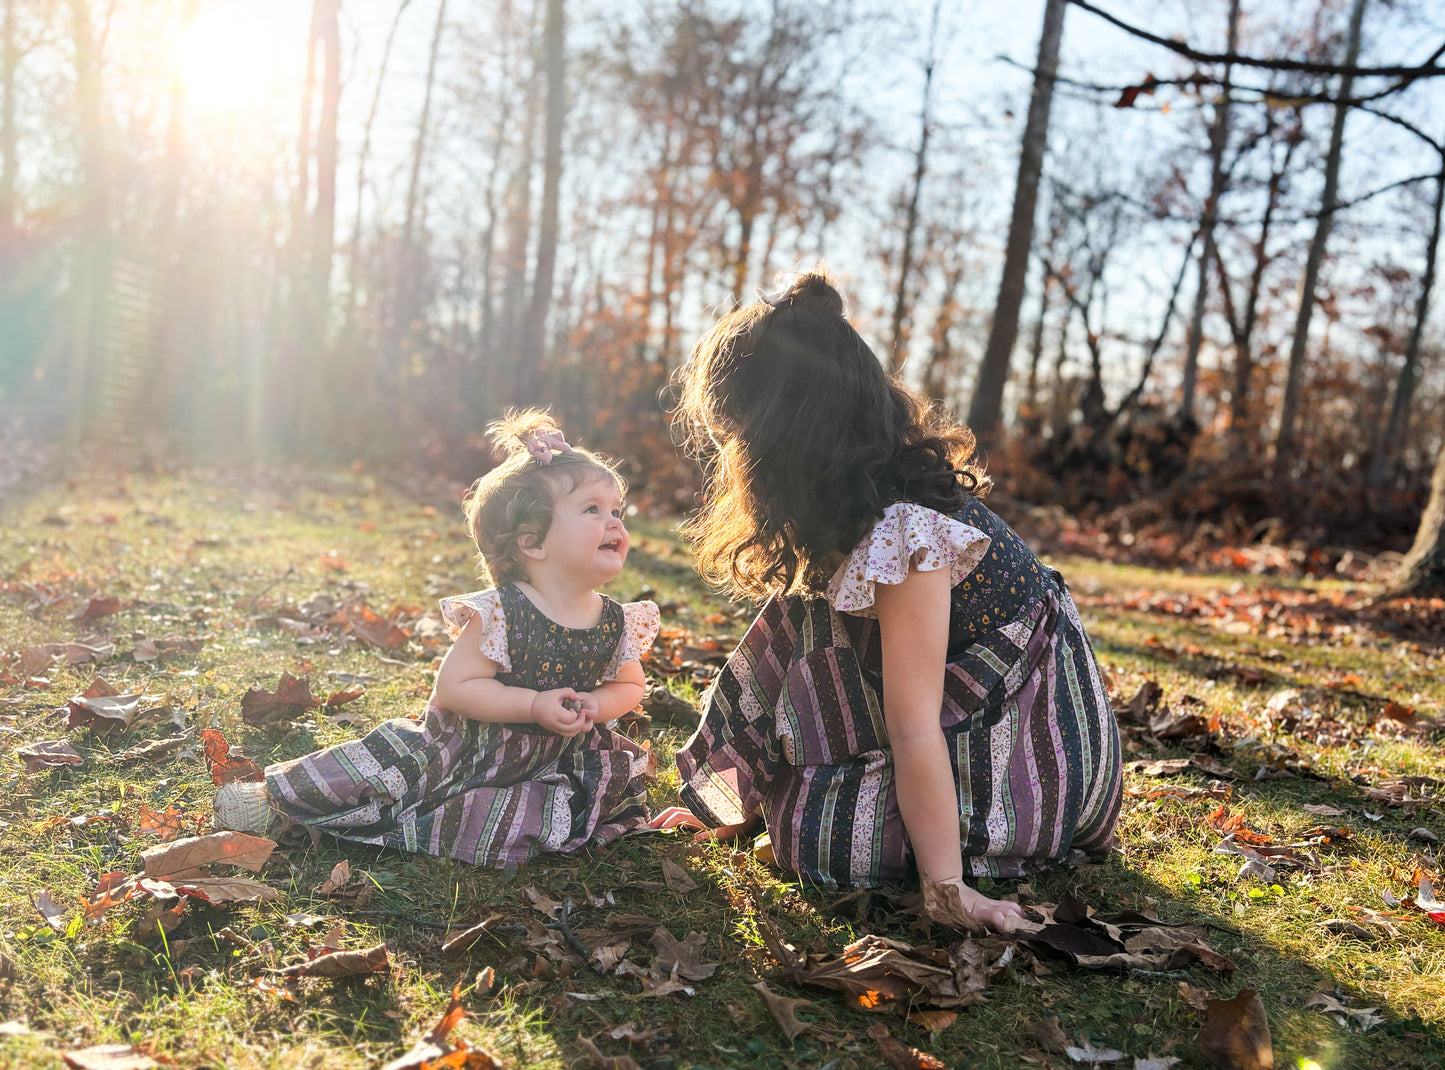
(1195, 310)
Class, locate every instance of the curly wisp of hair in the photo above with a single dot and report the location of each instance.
(510, 507)
(805, 440)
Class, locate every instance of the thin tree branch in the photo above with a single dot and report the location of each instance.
(1427, 70)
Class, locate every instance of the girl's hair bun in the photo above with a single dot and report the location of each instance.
(508, 435)
(812, 292)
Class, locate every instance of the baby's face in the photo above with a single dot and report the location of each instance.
(587, 536)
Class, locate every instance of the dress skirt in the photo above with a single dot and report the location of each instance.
(793, 729)
(492, 795)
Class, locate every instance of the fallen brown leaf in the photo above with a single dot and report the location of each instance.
(682, 956)
(606, 1062)
(783, 1009)
(96, 608)
(1236, 1034)
(189, 857)
(340, 876)
(677, 878)
(50, 910)
(165, 824)
(291, 699)
(899, 1055)
(943, 904)
(218, 890)
(342, 964)
(109, 1057)
(1050, 1036)
(225, 767)
(933, 1021)
(51, 754)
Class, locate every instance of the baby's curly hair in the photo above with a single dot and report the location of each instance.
(511, 506)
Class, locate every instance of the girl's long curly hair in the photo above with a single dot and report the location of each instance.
(511, 506)
(805, 439)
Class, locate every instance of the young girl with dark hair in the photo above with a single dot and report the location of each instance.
(917, 692)
(513, 756)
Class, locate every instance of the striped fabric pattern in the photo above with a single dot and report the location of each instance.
(488, 794)
(793, 729)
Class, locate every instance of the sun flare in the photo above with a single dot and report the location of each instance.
(230, 58)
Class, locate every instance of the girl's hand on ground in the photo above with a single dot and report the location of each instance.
(954, 903)
(676, 817)
(558, 711)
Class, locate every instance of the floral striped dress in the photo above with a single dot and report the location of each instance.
(489, 794)
(793, 727)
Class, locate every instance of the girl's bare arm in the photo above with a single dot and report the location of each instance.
(618, 695)
(913, 628)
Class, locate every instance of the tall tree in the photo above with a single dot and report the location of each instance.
(554, 52)
(93, 219)
(897, 351)
(986, 409)
(1423, 569)
(9, 134)
(1388, 441)
(1218, 140)
(1285, 438)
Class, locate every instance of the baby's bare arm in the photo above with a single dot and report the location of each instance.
(467, 684)
(616, 696)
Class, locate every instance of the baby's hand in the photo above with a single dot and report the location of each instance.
(559, 711)
(589, 707)
(955, 903)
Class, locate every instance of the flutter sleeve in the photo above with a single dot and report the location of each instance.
(487, 605)
(640, 624)
(907, 536)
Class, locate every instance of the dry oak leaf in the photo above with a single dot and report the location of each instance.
(943, 903)
(1050, 1036)
(188, 857)
(97, 608)
(291, 699)
(109, 1057)
(899, 1055)
(606, 1062)
(340, 877)
(782, 1009)
(149, 752)
(677, 878)
(51, 911)
(933, 1021)
(342, 964)
(224, 766)
(165, 824)
(683, 956)
(1236, 1034)
(51, 754)
(432, 1051)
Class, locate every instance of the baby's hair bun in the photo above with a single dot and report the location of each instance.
(509, 434)
(812, 291)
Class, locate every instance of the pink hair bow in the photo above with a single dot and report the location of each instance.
(542, 444)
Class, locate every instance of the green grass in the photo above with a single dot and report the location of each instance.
(213, 557)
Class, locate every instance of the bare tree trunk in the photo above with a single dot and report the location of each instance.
(534, 333)
(363, 157)
(1284, 443)
(9, 151)
(985, 411)
(897, 352)
(93, 222)
(419, 147)
(1423, 569)
(1405, 387)
(1218, 141)
(1242, 330)
(1029, 417)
